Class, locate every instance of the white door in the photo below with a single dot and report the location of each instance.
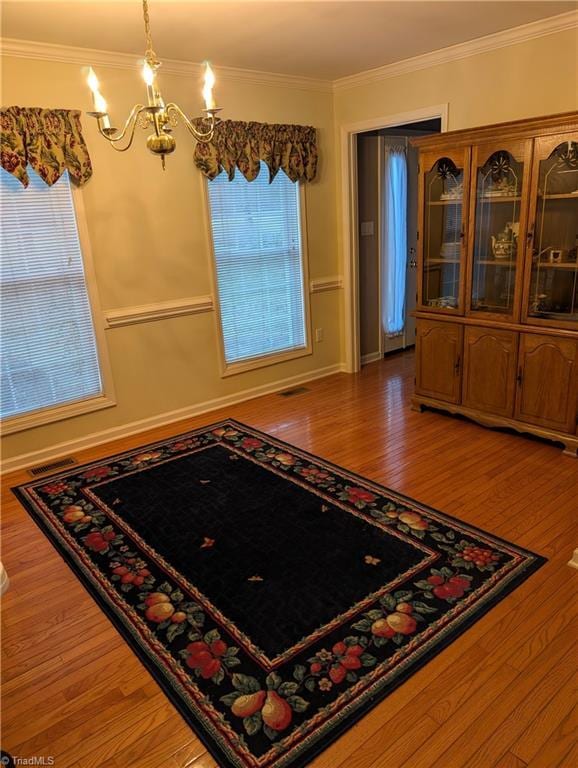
(408, 337)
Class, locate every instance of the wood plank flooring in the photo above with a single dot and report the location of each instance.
(501, 696)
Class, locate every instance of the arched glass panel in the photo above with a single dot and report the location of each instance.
(554, 277)
(444, 192)
(498, 200)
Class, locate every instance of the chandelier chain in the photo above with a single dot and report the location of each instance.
(150, 54)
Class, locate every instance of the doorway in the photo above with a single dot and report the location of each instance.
(349, 215)
(387, 191)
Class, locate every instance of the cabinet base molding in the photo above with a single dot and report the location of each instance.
(570, 442)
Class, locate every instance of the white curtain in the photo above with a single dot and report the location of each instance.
(394, 241)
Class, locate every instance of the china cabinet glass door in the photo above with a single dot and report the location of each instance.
(552, 296)
(444, 187)
(497, 224)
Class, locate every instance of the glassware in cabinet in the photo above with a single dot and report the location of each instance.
(552, 292)
(444, 185)
(497, 227)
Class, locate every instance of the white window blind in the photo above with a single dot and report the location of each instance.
(259, 264)
(48, 346)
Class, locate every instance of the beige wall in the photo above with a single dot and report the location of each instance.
(149, 236)
(149, 243)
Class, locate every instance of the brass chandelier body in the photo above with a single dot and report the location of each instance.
(156, 114)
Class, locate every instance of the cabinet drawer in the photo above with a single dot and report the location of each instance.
(489, 382)
(438, 360)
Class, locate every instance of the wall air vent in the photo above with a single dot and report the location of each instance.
(43, 468)
(294, 391)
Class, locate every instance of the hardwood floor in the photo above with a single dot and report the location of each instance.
(501, 696)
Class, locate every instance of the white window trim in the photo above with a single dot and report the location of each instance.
(107, 398)
(261, 361)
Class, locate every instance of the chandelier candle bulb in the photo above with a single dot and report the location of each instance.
(149, 78)
(98, 100)
(208, 88)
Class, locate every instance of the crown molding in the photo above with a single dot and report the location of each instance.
(521, 34)
(65, 54)
(29, 49)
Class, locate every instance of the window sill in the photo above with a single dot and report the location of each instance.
(253, 363)
(48, 415)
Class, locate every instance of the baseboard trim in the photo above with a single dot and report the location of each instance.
(371, 357)
(163, 419)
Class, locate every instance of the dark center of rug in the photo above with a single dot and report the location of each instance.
(277, 559)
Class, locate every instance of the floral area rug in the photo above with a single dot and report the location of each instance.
(274, 596)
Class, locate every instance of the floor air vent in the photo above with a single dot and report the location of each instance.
(294, 391)
(40, 470)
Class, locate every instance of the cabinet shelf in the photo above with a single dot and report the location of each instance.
(496, 308)
(495, 263)
(502, 199)
(567, 265)
(442, 261)
(564, 196)
(565, 316)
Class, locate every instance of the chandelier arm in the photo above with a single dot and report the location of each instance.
(128, 144)
(202, 136)
(129, 125)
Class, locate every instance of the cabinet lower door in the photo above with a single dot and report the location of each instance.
(490, 370)
(438, 360)
(547, 382)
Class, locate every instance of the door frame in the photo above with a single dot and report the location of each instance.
(350, 223)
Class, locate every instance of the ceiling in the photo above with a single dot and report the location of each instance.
(323, 39)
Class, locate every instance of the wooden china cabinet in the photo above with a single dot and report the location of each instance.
(497, 305)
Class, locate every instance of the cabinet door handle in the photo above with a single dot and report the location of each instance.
(457, 365)
(462, 233)
(519, 377)
(530, 235)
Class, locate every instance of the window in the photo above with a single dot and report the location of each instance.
(260, 269)
(50, 356)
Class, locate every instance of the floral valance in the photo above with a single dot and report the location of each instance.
(290, 148)
(50, 140)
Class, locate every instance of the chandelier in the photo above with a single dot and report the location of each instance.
(161, 117)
